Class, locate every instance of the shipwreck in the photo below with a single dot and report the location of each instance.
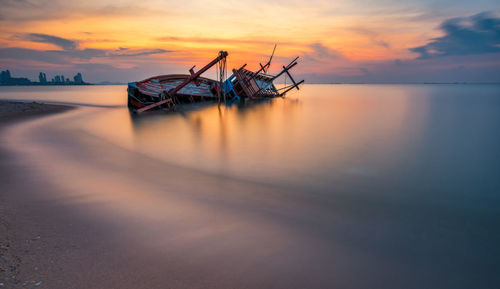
(168, 91)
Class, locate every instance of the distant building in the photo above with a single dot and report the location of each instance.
(5, 75)
(7, 79)
(58, 79)
(42, 77)
(78, 78)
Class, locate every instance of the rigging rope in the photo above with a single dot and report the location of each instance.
(285, 80)
(221, 76)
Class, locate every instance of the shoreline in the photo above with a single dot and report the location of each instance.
(46, 242)
(16, 223)
(14, 111)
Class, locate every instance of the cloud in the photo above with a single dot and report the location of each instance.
(372, 35)
(53, 57)
(477, 34)
(40, 10)
(458, 68)
(63, 43)
(122, 51)
(213, 40)
(96, 64)
(86, 53)
(70, 51)
(382, 43)
(320, 53)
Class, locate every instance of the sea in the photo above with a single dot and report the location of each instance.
(333, 186)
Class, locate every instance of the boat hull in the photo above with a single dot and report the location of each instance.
(151, 90)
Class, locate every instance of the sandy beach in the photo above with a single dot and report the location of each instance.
(22, 219)
(44, 243)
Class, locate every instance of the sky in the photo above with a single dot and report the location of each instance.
(337, 41)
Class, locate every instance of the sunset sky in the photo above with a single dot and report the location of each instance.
(338, 41)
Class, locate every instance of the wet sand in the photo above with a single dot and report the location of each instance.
(44, 243)
(22, 216)
(47, 244)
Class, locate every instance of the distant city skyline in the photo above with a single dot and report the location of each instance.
(7, 78)
(341, 41)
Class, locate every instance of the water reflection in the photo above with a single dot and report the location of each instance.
(312, 140)
(216, 137)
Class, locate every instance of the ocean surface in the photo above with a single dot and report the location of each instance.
(334, 186)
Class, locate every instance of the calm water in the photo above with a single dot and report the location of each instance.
(338, 185)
